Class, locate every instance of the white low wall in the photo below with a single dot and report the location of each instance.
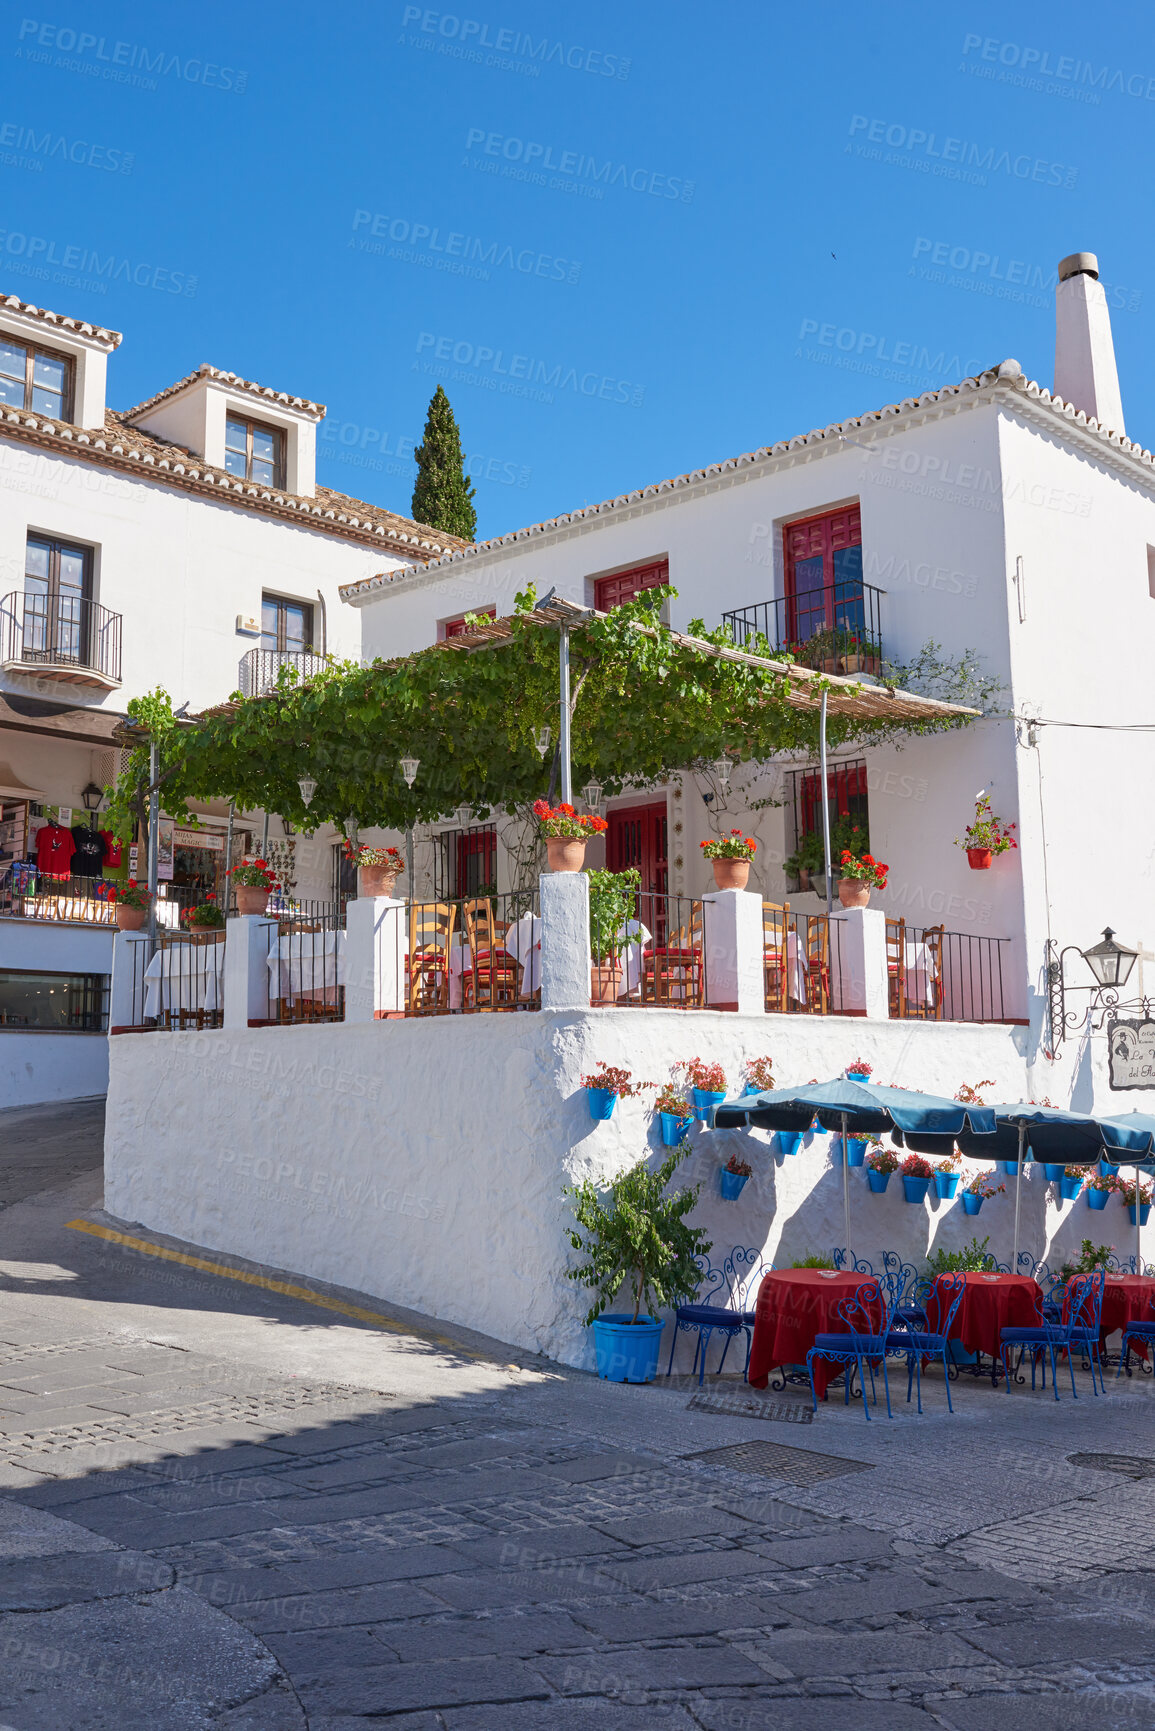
(424, 1161)
(37, 1068)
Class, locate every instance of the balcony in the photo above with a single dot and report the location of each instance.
(260, 669)
(833, 630)
(61, 637)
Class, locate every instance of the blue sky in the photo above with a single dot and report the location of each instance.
(628, 240)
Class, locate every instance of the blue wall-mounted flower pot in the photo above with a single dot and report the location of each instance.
(1107, 1170)
(858, 1075)
(1097, 1198)
(732, 1184)
(751, 1088)
(856, 1147)
(1052, 1170)
(1010, 1167)
(945, 1185)
(878, 1181)
(673, 1129)
(1069, 1188)
(1144, 1211)
(789, 1141)
(972, 1204)
(626, 1351)
(602, 1102)
(914, 1189)
(703, 1099)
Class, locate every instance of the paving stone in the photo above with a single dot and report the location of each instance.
(1044, 1639)
(663, 1529)
(650, 1574)
(609, 1673)
(47, 1582)
(445, 1488)
(671, 1621)
(316, 1653)
(187, 1495)
(473, 1637)
(1090, 1710)
(620, 1465)
(338, 1436)
(371, 1564)
(816, 1713)
(238, 1458)
(532, 1550)
(55, 1492)
(486, 1590)
(850, 1599)
(393, 1688)
(860, 1655)
(569, 1716)
(336, 1608)
(465, 1453)
(852, 1544)
(363, 1470)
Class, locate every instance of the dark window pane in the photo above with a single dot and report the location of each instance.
(296, 634)
(36, 561)
(64, 1002)
(72, 564)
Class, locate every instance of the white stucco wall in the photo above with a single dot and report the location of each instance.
(38, 1067)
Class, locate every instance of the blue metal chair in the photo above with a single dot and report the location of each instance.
(714, 1311)
(856, 1264)
(1142, 1331)
(867, 1320)
(1079, 1327)
(931, 1337)
(744, 1270)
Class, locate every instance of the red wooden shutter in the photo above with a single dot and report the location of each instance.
(624, 585)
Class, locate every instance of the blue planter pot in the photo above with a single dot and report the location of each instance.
(1052, 1171)
(627, 1352)
(1069, 1188)
(732, 1183)
(789, 1141)
(972, 1204)
(602, 1102)
(1098, 1198)
(1144, 1211)
(856, 1147)
(878, 1181)
(673, 1129)
(703, 1099)
(1107, 1170)
(857, 1076)
(914, 1189)
(750, 1089)
(1010, 1167)
(945, 1185)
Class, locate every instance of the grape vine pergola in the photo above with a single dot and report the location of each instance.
(644, 702)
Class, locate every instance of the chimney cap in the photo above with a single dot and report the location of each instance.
(1079, 264)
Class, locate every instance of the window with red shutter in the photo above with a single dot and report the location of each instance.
(624, 585)
(824, 575)
(457, 627)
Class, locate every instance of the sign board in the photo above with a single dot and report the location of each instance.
(165, 831)
(1131, 1055)
(208, 839)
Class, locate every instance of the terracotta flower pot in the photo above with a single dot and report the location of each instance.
(605, 982)
(376, 880)
(979, 859)
(251, 900)
(566, 853)
(731, 874)
(852, 893)
(130, 919)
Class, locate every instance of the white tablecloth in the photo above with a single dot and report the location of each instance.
(306, 964)
(796, 968)
(184, 977)
(921, 978)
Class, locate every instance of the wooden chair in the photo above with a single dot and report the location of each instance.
(493, 979)
(817, 954)
(775, 962)
(430, 942)
(928, 1008)
(895, 967)
(672, 973)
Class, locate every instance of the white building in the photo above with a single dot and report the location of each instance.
(183, 543)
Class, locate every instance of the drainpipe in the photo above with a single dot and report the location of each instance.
(825, 808)
(153, 836)
(564, 739)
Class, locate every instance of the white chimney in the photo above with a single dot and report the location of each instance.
(1085, 373)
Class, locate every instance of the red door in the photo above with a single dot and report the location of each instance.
(637, 837)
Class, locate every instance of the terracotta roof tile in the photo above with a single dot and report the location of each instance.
(245, 387)
(13, 304)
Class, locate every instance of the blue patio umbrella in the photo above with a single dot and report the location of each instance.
(854, 1107)
(1131, 1139)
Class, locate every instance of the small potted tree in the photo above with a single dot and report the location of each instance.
(254, 882)
(758, 1074)
(707, 1086)
(207, 916)
(881, 1164)
(378, 868)
(980, 1190)
(606, 1086)
(733, 1177)
(1099, 1190)
(730, 856)
(1071, 1183)
(613, 897)
(675, 1114)
(131, 901)
(860, 874)
(1135, 1194)
(858, 1070)
(916, 1176)
(946, 1177)
(985, 836)
(635, 1237)
(566, 833)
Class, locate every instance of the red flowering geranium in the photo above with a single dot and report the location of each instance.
(732, 846)
(563, 823)
(710, 1078)
(864, 869)
(612, 1080)
(914, 1166)
(131, 894)
(253, 874)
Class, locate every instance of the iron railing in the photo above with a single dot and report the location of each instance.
(306, 967)
(658, 959)
(805, 969)
(260, 669)
(60, 631)
(176, 983)
(27, 894)
(470, 956)
(834, 630)
(940, 976)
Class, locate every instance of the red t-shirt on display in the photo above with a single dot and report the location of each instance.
(111, 849)
(54, 850)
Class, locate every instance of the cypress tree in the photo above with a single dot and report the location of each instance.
(443, 492)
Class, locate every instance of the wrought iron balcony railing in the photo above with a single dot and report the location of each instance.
(62, 636)
(260, 669)
(835, 630)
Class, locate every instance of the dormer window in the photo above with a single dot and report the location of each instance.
(254, 451)
(35, 379)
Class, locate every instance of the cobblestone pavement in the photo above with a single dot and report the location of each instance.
(190, 1538)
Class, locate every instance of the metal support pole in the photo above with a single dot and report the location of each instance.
(825, 811)
(1138, 1226)
(409, 861)
(153, 835)
(1018, 1195)
(564, 736)
(846, 1190)
(265, 837)
(225, 887)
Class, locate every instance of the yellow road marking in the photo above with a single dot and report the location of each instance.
(268, 1285)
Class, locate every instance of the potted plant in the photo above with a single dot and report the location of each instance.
(985, 836)
(565, 834)
(860, 874)
(676, 1114)
(208, 916)
(757, 1073)
(378, 868)
(733, 1177)
(132, 901)
(1099, 1190)
(1090, 1257)
(730, 856)
(1127, 1188)
(790, 1141)
(881, 1164)
(916, 1176)
(254, 881)
(980, 1190)
(635, 1236)
(707, 1084)
(1071, 1182)
(946, 1177)
(613, 897)
(859, 1071)
(606, 1086)
(813, 1259)
(854, 1150)
(1107, 1169)
(807, 860)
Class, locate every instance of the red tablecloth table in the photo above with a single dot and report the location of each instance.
(795, 1304)
(990, 1303)
(1127, 1298)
